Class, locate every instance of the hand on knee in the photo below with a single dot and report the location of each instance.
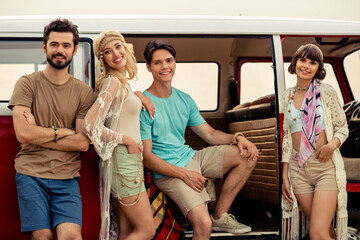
(250, 164)
(248, 161)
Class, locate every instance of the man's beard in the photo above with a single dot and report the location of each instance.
(56, 64)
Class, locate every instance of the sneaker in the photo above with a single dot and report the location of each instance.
(228, 223)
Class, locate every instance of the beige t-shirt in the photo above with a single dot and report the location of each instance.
(51, 105)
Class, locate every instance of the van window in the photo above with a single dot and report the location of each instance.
(18, 58)
(352, 71)
(257, 80)
(194, 78)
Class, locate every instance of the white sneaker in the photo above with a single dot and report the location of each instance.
(227, 223)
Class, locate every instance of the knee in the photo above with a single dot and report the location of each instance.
(123, 233)
(147, 232)
(203, 227)
(42, 235)
(248, 164)
(70, 236)
(252, 163)
(150, 232)
(318, 234)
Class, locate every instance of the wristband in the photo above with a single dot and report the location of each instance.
(56, 134)
(234, 139)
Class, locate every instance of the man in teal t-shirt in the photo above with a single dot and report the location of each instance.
(178, 170)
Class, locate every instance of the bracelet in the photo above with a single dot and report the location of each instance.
(234, 139)
(56, 134)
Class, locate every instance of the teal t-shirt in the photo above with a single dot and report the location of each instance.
(167, 129)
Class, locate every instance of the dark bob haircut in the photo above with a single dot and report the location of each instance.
(312, 52)
(154, 45)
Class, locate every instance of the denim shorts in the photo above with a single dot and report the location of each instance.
(42, 201)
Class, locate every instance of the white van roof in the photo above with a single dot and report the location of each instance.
(166, 24)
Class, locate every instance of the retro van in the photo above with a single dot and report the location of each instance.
(235, 68)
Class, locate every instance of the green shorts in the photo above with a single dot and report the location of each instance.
(127, 179)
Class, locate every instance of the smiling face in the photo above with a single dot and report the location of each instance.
(60, 49)
(306, 69)
(114, 55)
(162, 66)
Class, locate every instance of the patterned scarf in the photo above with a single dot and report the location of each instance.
(311, 124)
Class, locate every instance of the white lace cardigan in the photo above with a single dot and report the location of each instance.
(99, 125)
(335, 126)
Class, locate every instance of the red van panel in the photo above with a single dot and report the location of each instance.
(9, 210)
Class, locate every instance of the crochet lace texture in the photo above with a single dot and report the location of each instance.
(335, 126)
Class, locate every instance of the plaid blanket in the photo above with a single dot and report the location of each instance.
(165, 212)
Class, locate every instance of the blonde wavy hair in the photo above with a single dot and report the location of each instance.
(130, 67)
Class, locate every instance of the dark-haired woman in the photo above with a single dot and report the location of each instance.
(313, 170)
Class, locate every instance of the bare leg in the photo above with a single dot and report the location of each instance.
(322, 212)
(306, 201)
(43, 234)
(200, 220)
(124, 224)
(319, 207)
(239, 170)
(139, 216)
(332, 232)
(67, 231)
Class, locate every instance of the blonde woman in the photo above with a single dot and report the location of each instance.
(112, 124)
(313, 170)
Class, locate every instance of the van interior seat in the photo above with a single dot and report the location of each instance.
(350, 155)
(251, 112)
(263, 107)
(352, 168)
(257, 121)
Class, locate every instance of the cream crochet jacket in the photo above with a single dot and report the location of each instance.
(335, 126)
(100, 124)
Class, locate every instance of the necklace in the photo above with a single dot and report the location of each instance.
(302, 89)
(123, 180)
(291, 99)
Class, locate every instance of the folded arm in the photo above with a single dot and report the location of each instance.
(74, 142)
(31, 133)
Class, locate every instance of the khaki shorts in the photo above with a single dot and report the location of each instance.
(131, 168)
(208, 162)
(313, 176)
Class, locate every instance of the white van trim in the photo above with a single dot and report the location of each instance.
(164, 24)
